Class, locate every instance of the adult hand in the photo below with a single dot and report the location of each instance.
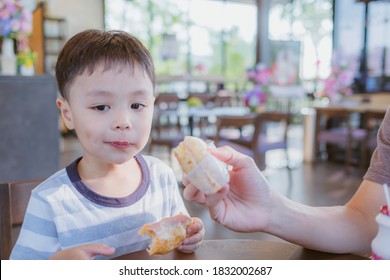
(245, 203)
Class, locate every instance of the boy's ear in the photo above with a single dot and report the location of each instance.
(66, 113)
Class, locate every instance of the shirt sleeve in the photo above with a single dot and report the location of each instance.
(379, 169)
(38, 238)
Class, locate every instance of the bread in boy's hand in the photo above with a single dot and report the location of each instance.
(167, 234)
(202, 169)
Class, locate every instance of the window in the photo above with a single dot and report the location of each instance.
(349, 22)
(190, 36)
(309, 24)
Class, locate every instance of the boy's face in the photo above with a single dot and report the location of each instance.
(111, 112)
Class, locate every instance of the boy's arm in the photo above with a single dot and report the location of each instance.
(83, 252)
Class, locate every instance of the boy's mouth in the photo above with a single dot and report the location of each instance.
(120, 144)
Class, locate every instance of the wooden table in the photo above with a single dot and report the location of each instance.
(243, 249)
(355, 107)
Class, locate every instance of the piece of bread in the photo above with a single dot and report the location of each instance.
(167, 234)
(190, 152)
(203, 170)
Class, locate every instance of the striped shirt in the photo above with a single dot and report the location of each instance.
(63, 212)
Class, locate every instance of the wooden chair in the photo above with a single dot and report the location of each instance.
(261, 139)
(14, 198)
(166, 130)
(207, 101)
(223, 98)
(334, 129)
(234, 128)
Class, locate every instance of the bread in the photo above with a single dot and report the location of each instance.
(167, 234)
(190, 152)
(202, 169)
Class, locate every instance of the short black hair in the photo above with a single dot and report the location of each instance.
(91, 47)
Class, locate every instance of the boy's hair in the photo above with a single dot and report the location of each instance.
(87, 49)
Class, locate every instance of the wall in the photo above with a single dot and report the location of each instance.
(29, 141)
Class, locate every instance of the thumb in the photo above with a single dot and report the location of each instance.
(232, 157)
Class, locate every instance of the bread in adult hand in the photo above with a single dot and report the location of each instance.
(190, 152)
(202, 169)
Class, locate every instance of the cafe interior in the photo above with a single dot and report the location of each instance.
(300, 86)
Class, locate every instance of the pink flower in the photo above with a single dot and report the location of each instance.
(260, 75)
(15, 20)
(340, 78)
(263, 77)
(200, 67)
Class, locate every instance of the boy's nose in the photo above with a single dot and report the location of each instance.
(122, 122)
(123, 126)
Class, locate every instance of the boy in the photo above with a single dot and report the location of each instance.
(95, 207)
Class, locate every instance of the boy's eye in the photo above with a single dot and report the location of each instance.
(101, 108)
(136, 106)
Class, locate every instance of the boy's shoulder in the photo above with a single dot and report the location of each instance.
(53, 182)
(152, 161)
(155, 165)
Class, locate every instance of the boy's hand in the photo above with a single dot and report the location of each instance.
(195, 234)
(83, 252)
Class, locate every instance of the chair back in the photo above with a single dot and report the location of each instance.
(263, 122)
(259, 140)
(167, 101)
(14, 198)
(335, 130)
(167, 128)
(234, 126)
(223, 98)
(166, 106)
(271, 130)
(330, 118)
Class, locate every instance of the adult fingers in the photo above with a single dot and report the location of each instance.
(233, 157)
(214, 199)
(192, 193)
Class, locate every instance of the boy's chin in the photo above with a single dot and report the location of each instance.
(115, 160)
(119, 161)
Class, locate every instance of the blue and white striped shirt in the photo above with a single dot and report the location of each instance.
(63, 212)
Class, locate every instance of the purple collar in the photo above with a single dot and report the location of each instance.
(74, 176)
